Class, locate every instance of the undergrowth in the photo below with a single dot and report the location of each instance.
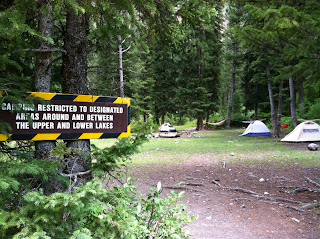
(90, 211)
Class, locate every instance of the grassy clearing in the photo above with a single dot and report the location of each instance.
(219, 146)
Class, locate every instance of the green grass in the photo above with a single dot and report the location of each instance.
(221, 146)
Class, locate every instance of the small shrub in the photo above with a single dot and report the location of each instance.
(93, 212)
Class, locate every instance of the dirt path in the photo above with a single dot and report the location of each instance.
(228, 214)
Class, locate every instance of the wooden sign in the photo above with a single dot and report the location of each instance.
(67, 117)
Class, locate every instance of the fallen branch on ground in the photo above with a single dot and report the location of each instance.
(182, 188)
(312, 182)
(241, 199)
(297, 189)
(195, 184)
(284, 179)
(267, 198)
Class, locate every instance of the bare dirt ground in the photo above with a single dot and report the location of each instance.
(225, 211)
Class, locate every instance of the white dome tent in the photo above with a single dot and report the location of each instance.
(257, 129)
(307, 131)
(167, 130)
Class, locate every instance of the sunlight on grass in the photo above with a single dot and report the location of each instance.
(103, 143)
(220, 146)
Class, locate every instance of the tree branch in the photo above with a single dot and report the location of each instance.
(312, 182)
(43, 50)
(128, 48)
(112, 67)
(75, 174)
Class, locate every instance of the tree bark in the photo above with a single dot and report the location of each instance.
(145, 119)
(301, 97)
(121, 67)
(75, 60)
(277, 130)
(272, 107)
(233, 82)
(43, 61)
(293, 102)
(42, 82)
(200, 125)
(207, 120)
(162, 119)
(43, 68)
(256, 103)
(75, 82)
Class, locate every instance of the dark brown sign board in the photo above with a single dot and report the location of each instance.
(67, 117)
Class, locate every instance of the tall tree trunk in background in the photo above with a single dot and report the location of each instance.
(293, 103)
(145, 119)
(256, 103)
(272, 107)
(42, 82)
(120, 51)
(207, 120)
(43, 61)
(301, 97)
(200, 125)
(162, 119)
(233, 83)
(43, 67)
(277, 130)
(75, 82)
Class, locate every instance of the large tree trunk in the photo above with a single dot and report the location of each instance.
(42, 82)
(75, 82)
(43, 62)
(76, 45)
(200, 125)
(233, 83)
(293, 103)
(43, 68)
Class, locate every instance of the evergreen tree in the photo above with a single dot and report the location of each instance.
(198, 55)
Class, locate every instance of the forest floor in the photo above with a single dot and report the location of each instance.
(234, 201)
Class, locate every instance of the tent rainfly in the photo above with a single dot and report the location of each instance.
(307, 131)
(257, 129)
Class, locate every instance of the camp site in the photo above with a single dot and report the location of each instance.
(159, 119)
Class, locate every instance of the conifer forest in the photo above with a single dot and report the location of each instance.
(200, 61)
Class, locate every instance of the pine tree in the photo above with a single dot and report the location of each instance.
(198, 54)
